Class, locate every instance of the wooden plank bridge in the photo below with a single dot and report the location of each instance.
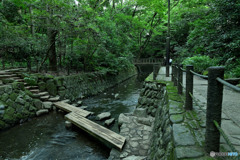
(147, 61)
(78, 116)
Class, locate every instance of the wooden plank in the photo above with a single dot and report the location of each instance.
(113, 139)
(69, 108)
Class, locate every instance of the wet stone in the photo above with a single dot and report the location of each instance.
(188, 152)
(176, 118)
(182, 135)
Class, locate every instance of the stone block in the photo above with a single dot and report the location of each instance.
(187, 152)
(182, 136)
(140, 112)
(178, 118)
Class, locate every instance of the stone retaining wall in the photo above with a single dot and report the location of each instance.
(175, 133)
(154, 99)
(85, 84)
(16, 106)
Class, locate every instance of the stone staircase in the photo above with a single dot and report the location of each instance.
(15, 75)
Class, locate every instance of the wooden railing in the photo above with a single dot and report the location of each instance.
(148, 61)
(214, 101)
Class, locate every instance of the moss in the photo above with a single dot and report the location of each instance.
(13, 96)
(9, 115)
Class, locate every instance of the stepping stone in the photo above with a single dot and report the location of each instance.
(35, 90)
(54, 99)
(41, 111)
(41, 94)
(44, 98)
(109, 122)
(104, 115)
(47, 105)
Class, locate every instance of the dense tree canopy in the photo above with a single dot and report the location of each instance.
(91, 35)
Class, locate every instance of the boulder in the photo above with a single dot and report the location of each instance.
(104, 115)
(41, 112)
(109, 122)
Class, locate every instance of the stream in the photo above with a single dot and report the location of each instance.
(45, 137)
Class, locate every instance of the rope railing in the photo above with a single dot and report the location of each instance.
(199, 75)
(237, 89)
(224, 136)
(214, 101)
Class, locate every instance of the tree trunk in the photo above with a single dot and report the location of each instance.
(52, 51)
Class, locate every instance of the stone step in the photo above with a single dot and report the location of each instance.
(44, 98)
(41, 94)
(19, 80)
(7, 76)
(31, 87)
(54, 99)
(34, 90)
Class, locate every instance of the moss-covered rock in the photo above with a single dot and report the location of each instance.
(31, 80)
(42, 86)
(13, 96)
(4, 97)
(9, 115)
(18, 85)
(51, 87)
(7, 81)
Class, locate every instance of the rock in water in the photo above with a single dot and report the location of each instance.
(103, 116)
(109, 122)
(79, 103)
(41, 111)
(47, 105)
(116, 96)
(68, 124)
(84, 107)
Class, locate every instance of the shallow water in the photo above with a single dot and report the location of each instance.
(45, 137)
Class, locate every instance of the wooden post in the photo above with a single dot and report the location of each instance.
(189, 88)
(180, 79)
(214, 109)
(175, 75)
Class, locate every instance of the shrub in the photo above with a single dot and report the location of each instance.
(200, 63)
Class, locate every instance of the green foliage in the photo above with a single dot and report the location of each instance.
(31, 80)
(200, 63)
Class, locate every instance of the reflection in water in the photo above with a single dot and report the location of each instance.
(45, 137)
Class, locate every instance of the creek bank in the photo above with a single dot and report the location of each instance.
(161, 129)
(18, 104)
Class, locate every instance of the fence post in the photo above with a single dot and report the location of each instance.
(214, 108)
(175, 75)
(180, 79)
(189, 88)
(173, 67)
